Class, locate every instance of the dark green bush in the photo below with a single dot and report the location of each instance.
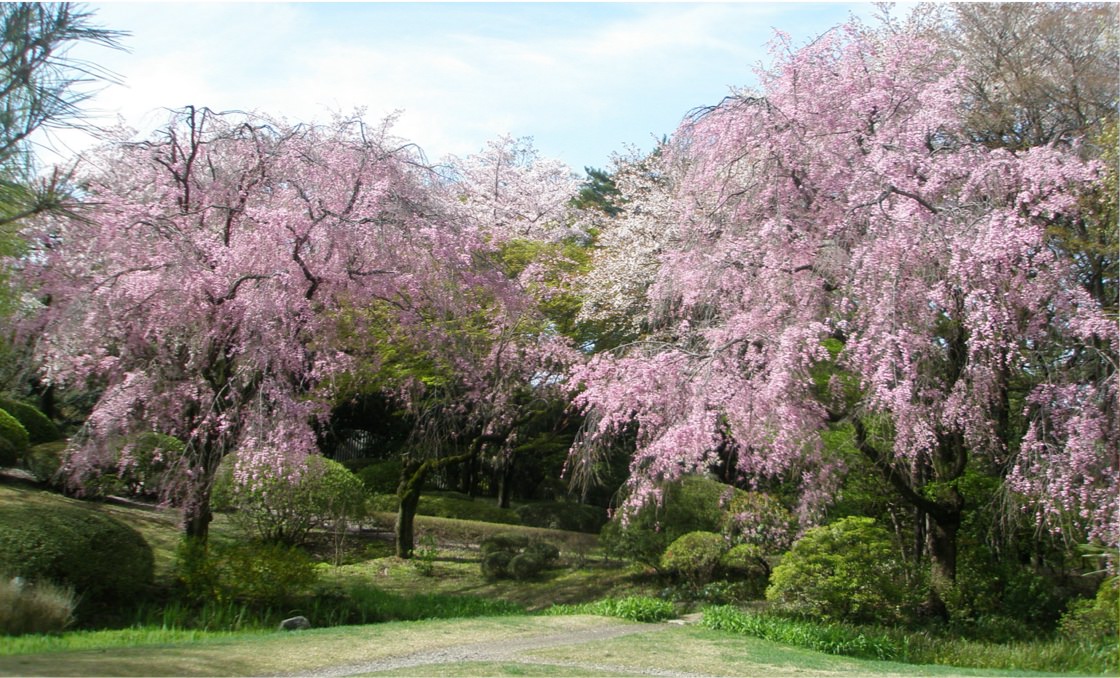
(746, 565)
(516, 556)
(845, 571)
(1095, 619)
(14, 440)
(633, 608)
(39, 427)
(101, 557)
(504, 541)
(694, 557)
(45, 460)
(694, 503)
(381, 477)
(563, 515)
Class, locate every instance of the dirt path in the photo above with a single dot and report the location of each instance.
(513, 650)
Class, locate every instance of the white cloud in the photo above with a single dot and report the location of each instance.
(580, 79)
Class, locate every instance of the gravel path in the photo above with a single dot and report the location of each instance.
(508, 650)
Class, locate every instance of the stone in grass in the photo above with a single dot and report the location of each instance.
(295, 624)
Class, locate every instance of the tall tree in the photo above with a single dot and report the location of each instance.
(193, 291)
(843, 218)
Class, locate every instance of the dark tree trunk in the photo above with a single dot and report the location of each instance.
(408, 492)
(505, 484)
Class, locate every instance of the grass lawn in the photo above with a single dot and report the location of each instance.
(653, 648)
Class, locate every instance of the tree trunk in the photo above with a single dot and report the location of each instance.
(408, 492)
(505, 484)
(943, 559)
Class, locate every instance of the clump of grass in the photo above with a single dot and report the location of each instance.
(633, 608)
(1058, 655)
(41, 607)
(355, 604)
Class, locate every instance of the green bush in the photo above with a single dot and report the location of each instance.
(273, 508)
(45, 460)
(41, 607)
(845, 571)
(694, 557)
(40, 428)
(1000, 599)
(381, 477)
(563, 515)
(1096, 619)
(256, 573)
(746, 564)
(144, 460)
(516, 556)
(101, 557)
(14, 440)
(694, 503)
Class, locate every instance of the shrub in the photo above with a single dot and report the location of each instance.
(694, 557)
(101, 557)
(14, 440)
(40, 429)
(691, 504)
(41, 607)
(381, 477)
(143, 462)
(515, 556)
(844, 571)
(746, 564)
(272, 507)
(248, 572)
(45, 460)
(1096, 619)
(563, 515)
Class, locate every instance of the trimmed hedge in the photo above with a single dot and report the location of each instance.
(39, 427)
(14, 439)
(101, 557)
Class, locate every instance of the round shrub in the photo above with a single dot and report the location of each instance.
(271, 507)
(39, 427)
(516, 556)
(694, 557)
(14, 439)
(746, 566)
(846, 571)
(45, 460)
(101, 557)
(495, 563)
(381, 477)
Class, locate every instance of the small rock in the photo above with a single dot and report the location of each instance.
(295, 624)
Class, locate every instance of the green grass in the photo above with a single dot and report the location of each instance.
(911, 647)
(632, 608)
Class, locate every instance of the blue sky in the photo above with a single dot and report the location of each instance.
(584, 80)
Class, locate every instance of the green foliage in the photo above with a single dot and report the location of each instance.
(14, 439)
(40, 429)
(746, 564)
(633, 608)
(922, 648)
(273, 508)
(694, 503)
(45, 460)
(41, 607)
(694, 556)
(1096, 619)
(847, 571)
(381, 477)
(562, 515)
(424, 559)
(515, 556)
(255, 573)
(101, 557)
